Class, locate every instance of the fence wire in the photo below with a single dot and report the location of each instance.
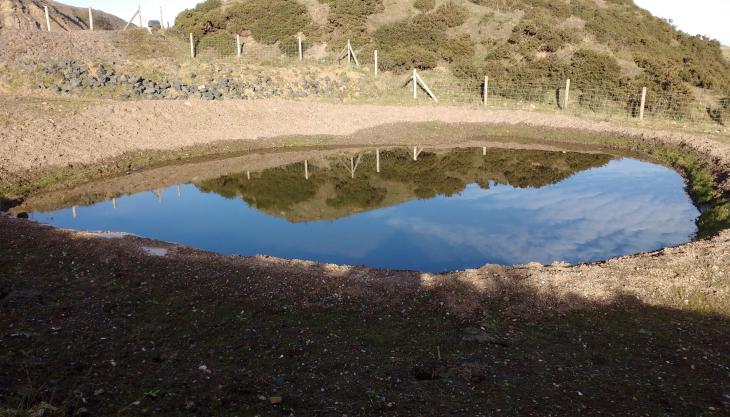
(623, 102)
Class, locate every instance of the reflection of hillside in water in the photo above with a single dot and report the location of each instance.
(331, 188)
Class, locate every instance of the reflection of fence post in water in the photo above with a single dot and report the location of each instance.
(73, 211)
(178, 191)
(353, 165)
(114, 203)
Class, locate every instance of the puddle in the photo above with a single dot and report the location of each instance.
(448, 209)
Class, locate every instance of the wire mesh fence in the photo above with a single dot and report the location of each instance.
(683, 107)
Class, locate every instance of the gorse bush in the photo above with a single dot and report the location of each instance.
(424, 5)
(422, 41)
(254, 16)
(552, 39)
(348, 19)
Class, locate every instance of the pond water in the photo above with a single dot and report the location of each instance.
(449, 209)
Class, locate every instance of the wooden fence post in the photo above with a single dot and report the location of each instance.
(376, 62)
(48, 18)
(192, 46)
(91, 20)
(377, 160)
(306, 169)
(162, 21)
(141, 26)
(349, 52)
(425, 87)
(301, 53)
(486, 90)
(643, 103)
(415, 84)
(238, 46)
(567, 93)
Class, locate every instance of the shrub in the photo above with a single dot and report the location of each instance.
(424, 5)
(255, 16)
(268, 20)
(534, 36)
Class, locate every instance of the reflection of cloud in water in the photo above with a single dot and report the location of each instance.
(609, 210)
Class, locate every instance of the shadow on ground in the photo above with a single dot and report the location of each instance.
(92, 326)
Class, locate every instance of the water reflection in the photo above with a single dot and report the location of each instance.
(447, 210)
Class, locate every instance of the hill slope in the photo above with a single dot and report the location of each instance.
(29, 14)
(611, 44)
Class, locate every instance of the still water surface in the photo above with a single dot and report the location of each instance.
(448, 210)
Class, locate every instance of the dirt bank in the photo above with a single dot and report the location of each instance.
(39, 133)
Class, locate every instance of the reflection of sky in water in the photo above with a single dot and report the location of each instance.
(624, 207)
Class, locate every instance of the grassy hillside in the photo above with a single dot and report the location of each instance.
(607, 44)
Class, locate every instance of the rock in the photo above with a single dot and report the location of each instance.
(472, 334)
(276, 400)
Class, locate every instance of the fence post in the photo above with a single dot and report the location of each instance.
(486, 90)
(376, 62)
(48, 18)
(643, 103)
(349, 55)
(238, 46)
(377, 160)
(140, 16)
(301, 53)
(192, 46)
(415, 84)
(567, 93)
(91, 19)
(162, 21)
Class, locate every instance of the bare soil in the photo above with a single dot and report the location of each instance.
(98, 324)
(83, 46)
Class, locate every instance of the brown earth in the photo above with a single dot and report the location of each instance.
(83, 46)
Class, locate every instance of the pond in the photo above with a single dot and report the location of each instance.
(447, 209)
